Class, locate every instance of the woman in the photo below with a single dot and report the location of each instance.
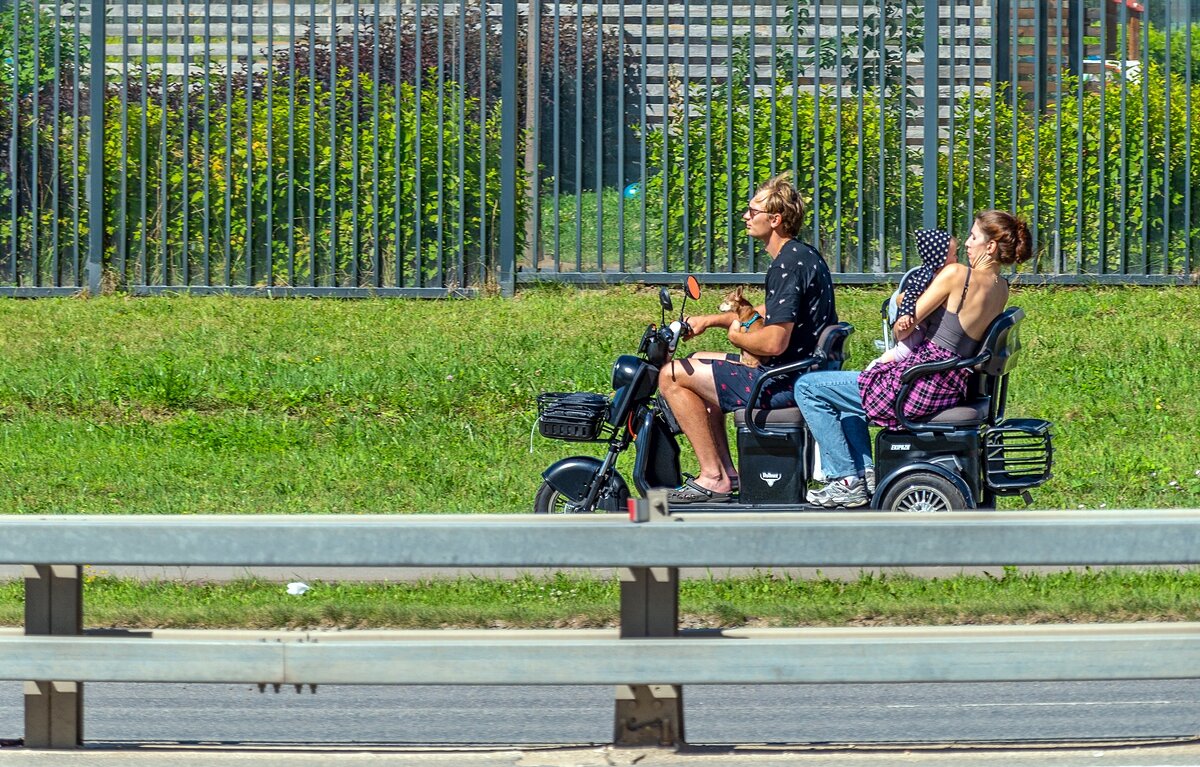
(959, 305)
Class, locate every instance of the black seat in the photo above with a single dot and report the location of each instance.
(828, 355)
(987, 388)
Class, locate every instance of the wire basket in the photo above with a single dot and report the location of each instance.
(573, 416)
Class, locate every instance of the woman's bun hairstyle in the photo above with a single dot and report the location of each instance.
(1011, 234)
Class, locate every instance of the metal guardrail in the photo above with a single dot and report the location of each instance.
(648, 658)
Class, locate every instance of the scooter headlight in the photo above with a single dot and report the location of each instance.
(624, 369)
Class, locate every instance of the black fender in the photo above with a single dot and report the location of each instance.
(573, 478)
(949, 474)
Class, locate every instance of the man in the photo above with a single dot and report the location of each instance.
(704, 386)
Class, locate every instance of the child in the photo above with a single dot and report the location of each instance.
(937, 248)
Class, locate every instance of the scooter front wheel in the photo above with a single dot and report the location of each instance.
(550, 501)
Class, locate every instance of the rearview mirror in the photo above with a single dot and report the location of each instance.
(692, 286)
(664, 299)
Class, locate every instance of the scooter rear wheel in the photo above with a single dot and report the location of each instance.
(923, 492)
(550, 501)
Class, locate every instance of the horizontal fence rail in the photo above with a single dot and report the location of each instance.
(1152, 536)
(426, 148)
(648, 658)
(940, 654)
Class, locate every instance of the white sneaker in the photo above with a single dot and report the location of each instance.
(869, 479)
(847, 491)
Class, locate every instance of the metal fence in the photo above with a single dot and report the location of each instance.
(428, 148)
(649, 658)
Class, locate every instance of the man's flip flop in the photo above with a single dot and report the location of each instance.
(690, 492)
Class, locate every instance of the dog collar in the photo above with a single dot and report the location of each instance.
(746, 325)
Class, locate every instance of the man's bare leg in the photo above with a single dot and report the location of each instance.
(716, 427)
(690, 390)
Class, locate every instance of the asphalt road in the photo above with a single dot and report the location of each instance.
(917, 713)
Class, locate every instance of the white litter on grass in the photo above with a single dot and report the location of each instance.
(296, 588)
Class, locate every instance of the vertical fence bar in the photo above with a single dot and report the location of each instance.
(577, 138)
(186, 252)
(861, 197)
(508, 149)
(397, 149)
(556, 90)
(484, 250)
(837, 136)
(1079, 28)
(76, 275)
(269, 203)
(881, 213)
(96, 219)
(795, 13)
(774, 65)
(1187, 141)
(1041, 41)
(35, 143)
(143, 245)
(290, 241)
(55, 159)
(16, 142)
(250, 141)
(620, 121)
(730, 184)
(228, 245)
(904, 134)
(333, 141)
(206, 232)
(123, 181)
(642, 188)
(666, 134)
(164, 189)
(950, 81)
(377, 246)
(1014, 9)
(460, 44)
(1166, 190)
(1145, 72)
(1123, 170)
(816, 193)
(974, 122)
(999, 29)
(1102, 154)
(752, 76)
(1056, 256)
(355, 159)
(930, 107)
(598, 178)
(686, 79)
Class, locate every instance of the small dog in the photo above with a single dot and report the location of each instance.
(747, 316)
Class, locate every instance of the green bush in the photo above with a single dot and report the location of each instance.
(1075, 198)
(790, 121)
(1131, 203)
(326, 195)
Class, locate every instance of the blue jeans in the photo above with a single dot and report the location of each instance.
(834, 412)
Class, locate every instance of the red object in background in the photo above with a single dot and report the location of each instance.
(1132, 5)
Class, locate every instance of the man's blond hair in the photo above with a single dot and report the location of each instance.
(780, 196)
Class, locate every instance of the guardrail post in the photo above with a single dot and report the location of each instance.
(53, 606)
(649, 715)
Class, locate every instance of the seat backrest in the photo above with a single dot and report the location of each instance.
(1002, 342)
(831, 343)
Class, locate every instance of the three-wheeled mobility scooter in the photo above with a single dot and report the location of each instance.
(960, 458)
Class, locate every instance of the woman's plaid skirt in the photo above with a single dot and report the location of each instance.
(931, 394)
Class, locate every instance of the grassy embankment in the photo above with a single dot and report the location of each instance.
(216, 405)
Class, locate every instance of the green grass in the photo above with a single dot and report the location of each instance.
(227, 405)
(579, 601)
